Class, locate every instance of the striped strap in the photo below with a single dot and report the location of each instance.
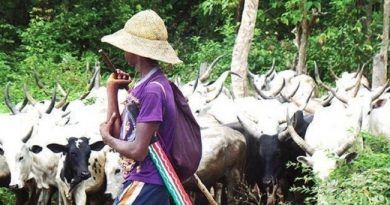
(168, 174)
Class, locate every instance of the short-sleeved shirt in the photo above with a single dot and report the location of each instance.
(155, 105)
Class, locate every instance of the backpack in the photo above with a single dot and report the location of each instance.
(186, 149)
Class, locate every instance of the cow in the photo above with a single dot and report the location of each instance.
(269, 150)
(114, 174)
(73, 168)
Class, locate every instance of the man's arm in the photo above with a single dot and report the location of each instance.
(137, 149)
(116, 81)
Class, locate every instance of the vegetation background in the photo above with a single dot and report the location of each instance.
(59, 40)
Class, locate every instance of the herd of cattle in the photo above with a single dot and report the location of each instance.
(55, 145)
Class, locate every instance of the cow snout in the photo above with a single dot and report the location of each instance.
(85, 175)
(267, 181)
(14, 186)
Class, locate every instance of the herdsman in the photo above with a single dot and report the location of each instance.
(149, 108)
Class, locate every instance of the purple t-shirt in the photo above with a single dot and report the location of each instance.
(154, 106)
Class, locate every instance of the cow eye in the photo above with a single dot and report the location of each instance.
(117, 171)
(73, 154)
(20, 158)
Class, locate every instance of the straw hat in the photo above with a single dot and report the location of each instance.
(144, 34)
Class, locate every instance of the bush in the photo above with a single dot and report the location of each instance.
(364, 181)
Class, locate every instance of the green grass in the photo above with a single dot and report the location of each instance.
(6, 197)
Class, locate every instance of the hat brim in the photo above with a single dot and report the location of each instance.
(154, 49)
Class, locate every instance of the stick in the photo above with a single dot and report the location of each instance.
(206, 192)
(107, 60)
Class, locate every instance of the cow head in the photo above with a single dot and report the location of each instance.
(324, 160)
(76, 152)
(113, 173)
(16, 154)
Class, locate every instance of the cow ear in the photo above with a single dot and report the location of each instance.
(350, 157)
(1, 151)
(57, 148)
(305, 160)
(379, 103)
(97, 146)
(35, 149)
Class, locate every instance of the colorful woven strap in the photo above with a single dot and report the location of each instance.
(168, 174)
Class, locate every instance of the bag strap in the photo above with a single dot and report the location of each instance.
(162, 87)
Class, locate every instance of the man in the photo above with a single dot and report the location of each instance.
(149, 109)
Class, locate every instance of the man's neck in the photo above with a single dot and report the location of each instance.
(145, 66)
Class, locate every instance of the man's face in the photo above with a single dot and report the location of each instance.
(131, 58)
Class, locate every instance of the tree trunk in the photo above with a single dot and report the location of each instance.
(242, 46)
(304, 36)
(379, 73)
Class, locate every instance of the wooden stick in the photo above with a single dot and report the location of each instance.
(206, 192)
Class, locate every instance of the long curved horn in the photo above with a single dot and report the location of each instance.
(297, 139)
(327, 100)
(273, 94)
(7, 100)
(63, 101)
(28, 96)
(333, 74)
(251, 75)
(358, 81)
(380, 91)
(39, 83)
(90, 85)
(248, 125)
(28, 136)
(60, 88)
(196, 81)
(207, 73)
(294, 91)
(318, 79)
(24, 103)
(303, 107)
(271, 70)
(52, 102)
(343, 148)
(215, 89)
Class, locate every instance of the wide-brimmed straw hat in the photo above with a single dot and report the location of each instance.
(145, 35)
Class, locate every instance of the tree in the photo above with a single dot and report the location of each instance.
(379, 72)
(242, 46)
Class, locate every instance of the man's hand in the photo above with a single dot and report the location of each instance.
(105, 129)
(119, 79)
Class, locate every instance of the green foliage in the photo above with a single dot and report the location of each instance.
(6, 197)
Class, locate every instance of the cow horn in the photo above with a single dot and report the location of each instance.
(63, 101)
(273, 94)
(271, 70)
(28, 136)
(52, 102)
(303, 107)
(297, 139)
(333, 74)
(8, 102)
(283, 135)
(251, 75)
(61, 89)
(318, 79)
(294, 91)
(327, 100)
(218, 86)
(28, 96)
(196, 81)
(90, 85)
(379, 92)
(39, 82)
(343, 148)
(207, 73)
(24, 103)
(248, 125)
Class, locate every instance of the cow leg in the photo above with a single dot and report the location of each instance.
(80, 196)
(44, 197)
